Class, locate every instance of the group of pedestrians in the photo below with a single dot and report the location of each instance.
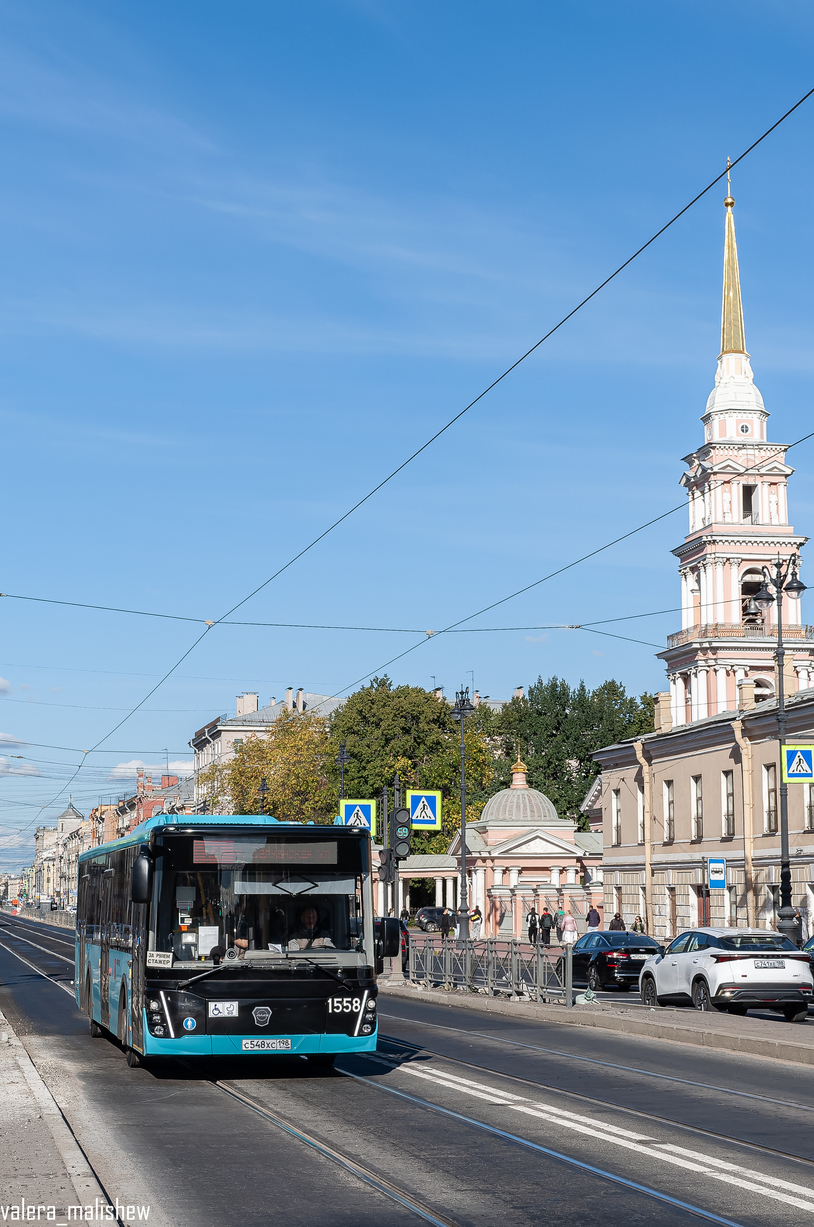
(449, 923)
(561, 922)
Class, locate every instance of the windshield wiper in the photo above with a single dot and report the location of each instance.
(327, 971)
(220, 967)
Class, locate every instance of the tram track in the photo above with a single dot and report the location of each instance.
(408, 1200)
(603, 1103)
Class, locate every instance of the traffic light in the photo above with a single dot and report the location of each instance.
(400, 833)
(387, 869)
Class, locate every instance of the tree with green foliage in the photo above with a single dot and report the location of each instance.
(557, 728)
(406, 730)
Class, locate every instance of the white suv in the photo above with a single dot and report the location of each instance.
(730, 969)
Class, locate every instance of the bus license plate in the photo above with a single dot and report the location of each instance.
(761, 963)
(266, 1045)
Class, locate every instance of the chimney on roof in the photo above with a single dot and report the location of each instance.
(246, 703)
(272, 701)
(746, 695)
(300, 700)
(169, 781)
(519, 693)
(439, 693)
(662, 715)
(476, 698)
(289, 698)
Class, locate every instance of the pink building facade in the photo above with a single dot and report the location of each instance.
(736, 484)
(520, 855)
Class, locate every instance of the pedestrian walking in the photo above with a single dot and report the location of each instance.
(558, 920)
(593, 918)
(570, 932)
(475, 922)
(532, 926)
(546, 925)
(617, 923)
(405, 914)
(798, 927)
(638, 926)
(447, 923)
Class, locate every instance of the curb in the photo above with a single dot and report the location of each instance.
(579, 1016)
(81, 1174)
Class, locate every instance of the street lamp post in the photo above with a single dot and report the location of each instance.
(461, 711)
(342, 760)
(261, 792)
(783, 580)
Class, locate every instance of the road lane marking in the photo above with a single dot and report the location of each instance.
(16, 937)
(733, 1167)
(571, 1056)
(581, 1164)
(39, 971)
(727, 1173)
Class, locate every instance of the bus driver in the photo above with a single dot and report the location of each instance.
(309, 936)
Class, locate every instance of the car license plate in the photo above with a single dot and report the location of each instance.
(640, 957)
(266, 1045)
(762, 963)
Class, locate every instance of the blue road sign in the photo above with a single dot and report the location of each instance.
(716, 873)
(425, 809)
(358, 814)
(798, 763)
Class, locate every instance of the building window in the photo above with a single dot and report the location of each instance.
(237, 743)
(728, 803)
(809, 818)
(697, 808)
(669, 812)
(640, 810)
(616, 816)
(770, 799)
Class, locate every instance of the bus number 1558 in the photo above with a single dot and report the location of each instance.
(344, 1005)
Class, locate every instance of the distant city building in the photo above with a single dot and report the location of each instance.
(219, 740)
(171, 796)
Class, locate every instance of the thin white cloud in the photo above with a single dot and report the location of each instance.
(5, 686)
(7, 767)
(8, 739)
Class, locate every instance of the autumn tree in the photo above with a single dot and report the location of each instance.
(294, 758)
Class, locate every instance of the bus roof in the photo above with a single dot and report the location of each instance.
(141, 834)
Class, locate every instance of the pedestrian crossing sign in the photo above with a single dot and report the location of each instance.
(798, 763)
(358, 814)
(425, 809)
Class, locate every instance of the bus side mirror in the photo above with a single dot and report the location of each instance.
(141, 889)
(388, 937)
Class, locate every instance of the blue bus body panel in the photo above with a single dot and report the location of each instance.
(229, 1045)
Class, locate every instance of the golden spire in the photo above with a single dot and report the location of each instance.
(733, 340)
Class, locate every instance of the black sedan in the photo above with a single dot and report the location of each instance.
(429, 919)
(612, 959)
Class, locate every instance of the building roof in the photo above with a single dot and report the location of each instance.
(519, 805)
(590, 842)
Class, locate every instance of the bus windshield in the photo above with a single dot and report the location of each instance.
(275, 894)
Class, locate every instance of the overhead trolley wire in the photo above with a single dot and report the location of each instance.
(380, 485)
(560, 570)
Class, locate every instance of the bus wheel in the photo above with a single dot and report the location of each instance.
(122, 1022)
(134, 1059)
(95, 1030)
(321, 1060)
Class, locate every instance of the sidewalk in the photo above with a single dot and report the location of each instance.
(759, 1037)
(41, 1163)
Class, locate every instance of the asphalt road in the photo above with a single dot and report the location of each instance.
(458, 1119)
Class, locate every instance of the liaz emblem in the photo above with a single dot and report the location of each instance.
(261, 1015)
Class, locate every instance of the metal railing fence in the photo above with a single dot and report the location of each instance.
(493, 966)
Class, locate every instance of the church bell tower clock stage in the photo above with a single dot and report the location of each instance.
(736, 486)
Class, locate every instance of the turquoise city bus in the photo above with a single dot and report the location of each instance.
(202, 935)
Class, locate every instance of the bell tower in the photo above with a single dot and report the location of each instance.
(736, 485)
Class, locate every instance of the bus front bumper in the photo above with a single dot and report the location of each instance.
(232, 1045)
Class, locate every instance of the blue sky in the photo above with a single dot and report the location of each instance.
(254, 255)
